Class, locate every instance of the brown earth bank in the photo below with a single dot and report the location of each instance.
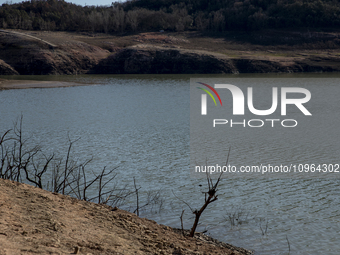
(35, 221)
(25, 84)
(39, 52)
(6, 69)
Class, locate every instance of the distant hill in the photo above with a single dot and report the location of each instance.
(172, 15)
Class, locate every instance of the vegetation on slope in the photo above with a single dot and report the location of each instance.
(171, 15)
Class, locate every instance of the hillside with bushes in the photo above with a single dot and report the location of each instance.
(171, 15)
(170, 37)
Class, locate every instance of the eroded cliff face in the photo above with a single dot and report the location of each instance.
(143, 59)
(6, 69)
(157, 60)
(29, 55)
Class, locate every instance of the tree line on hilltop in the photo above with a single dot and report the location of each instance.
(171, 15)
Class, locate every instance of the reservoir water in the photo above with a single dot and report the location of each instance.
(141, 124)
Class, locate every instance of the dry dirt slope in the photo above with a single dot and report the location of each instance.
(268, 51)
(34, 221)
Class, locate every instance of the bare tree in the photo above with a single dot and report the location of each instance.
(210, 196)
(24, 163)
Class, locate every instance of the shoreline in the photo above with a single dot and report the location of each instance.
(30, 84)
(36, 221)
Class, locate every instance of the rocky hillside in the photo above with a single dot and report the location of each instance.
(6, 69)
(38, 53)
(148, 59)
(31, 56)
(34, 221)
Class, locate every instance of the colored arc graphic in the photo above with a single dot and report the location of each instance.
(213, 90)
(209, 94)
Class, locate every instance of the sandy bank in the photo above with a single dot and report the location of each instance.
(35, 221)
(26, 84)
